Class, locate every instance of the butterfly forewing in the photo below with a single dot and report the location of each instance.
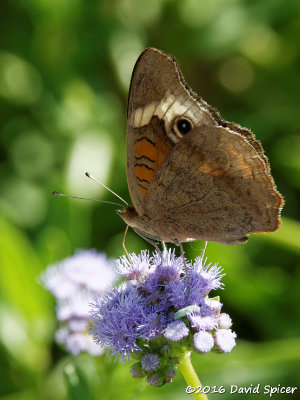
(157, 96)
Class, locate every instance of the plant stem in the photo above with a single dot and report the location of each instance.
(186, 368)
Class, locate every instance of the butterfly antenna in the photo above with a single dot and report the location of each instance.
(105, 187)
(84, 198)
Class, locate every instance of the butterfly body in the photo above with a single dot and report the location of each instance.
(191, 175)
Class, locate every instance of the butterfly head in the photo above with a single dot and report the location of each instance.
(140, 224)
(129, 215)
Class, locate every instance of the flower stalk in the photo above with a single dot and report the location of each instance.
(186, 368)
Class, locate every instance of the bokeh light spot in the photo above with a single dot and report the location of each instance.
(261, 45)
(75, 112)
(92, 152)
(227, 27)
(32, 155)
(136, 13)
(195, 13)
(236, 74)
(20, 82)
(125, 47)
(23, 202)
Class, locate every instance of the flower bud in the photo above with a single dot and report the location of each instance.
(150, 362)
(224, 321)
(170, 371)
(136, 370)
(155, 379)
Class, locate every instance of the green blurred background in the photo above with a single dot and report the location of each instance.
(65, 67)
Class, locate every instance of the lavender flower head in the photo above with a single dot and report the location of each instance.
(158, 313)
(74, 282)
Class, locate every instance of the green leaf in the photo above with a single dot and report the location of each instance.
(78, 387)
(20, 268)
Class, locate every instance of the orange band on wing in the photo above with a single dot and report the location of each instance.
(143, 173)
(142, 190)
(145, 149)
(163, 150)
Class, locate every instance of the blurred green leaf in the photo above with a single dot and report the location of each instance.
(78, 387)
(20, 268)
(287, 236)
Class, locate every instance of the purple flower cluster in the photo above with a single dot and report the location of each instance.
(158, 311)
(74, 282)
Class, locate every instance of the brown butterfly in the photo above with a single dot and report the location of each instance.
(191, 174)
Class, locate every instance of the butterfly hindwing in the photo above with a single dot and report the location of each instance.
(216, 188)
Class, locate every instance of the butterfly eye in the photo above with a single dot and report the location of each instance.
(182, 126)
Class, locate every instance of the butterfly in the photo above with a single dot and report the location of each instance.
(191, 175)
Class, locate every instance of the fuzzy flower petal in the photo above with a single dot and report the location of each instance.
(153, 304)
(153, 325)
(137, 268)
(224, 321)
(213, 305)
(78, 325)
(206, 323)
(225, 340)
(115, 318)
(211, 275)
(77, 343)
(176, 331)
(87, 269)
(74, 282)
(76, 307)
(203, 341)
(202, 279)
(168, 259)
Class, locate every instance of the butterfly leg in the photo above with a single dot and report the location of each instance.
(203, 251)
(152, 242)
(123, 244)
(147, 239)
(186, 270)
(164, 251)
